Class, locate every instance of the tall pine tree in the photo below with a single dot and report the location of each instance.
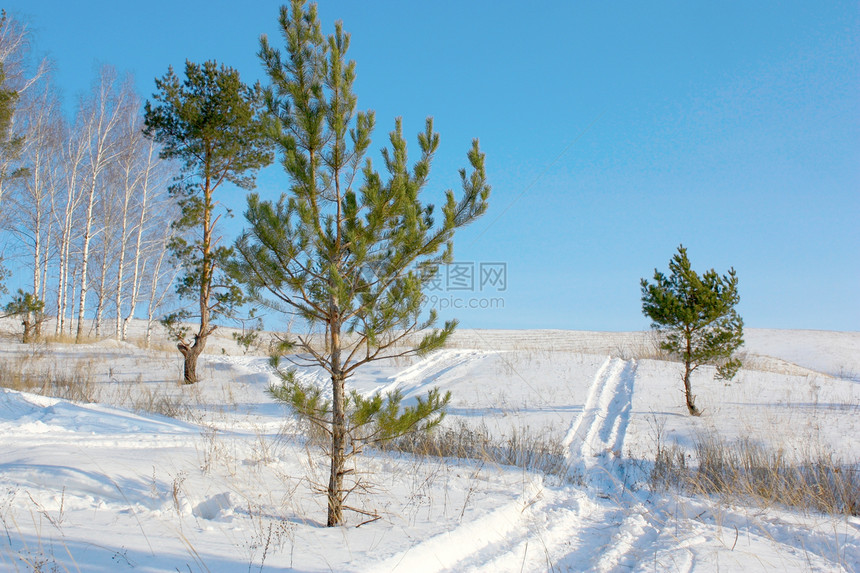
(348, 250)
(212, 123)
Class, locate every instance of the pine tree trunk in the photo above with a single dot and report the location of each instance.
(27, 323)
(338, 435)
(688, 372)
(688, 393)
(190, 353)
(338, 455)
(193, 351)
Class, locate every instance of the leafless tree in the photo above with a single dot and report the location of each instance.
(44, 129)
(92, 212)
(19, 75)
(99, 119)
(65, 208)
(144, 213)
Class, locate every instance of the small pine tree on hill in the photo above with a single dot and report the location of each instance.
(697, 318)
(31, 312)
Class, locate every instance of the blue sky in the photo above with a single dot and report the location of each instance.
(614, 131)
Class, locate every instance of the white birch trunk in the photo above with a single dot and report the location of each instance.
(73, 157)
(100, 125)
(151, 159)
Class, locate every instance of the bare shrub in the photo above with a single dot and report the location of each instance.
(645, 347)
(670, 467)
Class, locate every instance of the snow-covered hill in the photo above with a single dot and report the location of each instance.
(229, 483)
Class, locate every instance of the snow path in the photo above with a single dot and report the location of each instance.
(599, 430)
(428, 371)
(549, 526)
(466, 542)
(616, 523)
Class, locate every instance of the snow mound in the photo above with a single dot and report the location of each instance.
(214, 507)
(113, 343)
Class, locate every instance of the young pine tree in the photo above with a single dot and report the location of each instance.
(30, 310)
(348, 250)
(212, 123)
(697, 318)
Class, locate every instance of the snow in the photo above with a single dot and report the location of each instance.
(229, 483)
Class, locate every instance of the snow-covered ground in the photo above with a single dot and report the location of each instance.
(230, 484)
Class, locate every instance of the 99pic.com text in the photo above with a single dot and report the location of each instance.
(443, 302)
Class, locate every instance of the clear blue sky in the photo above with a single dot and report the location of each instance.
(613, 131)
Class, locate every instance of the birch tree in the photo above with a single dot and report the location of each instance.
(143, 236)
(65, 208)
(44, 127)
(106, 247)
(99, 119)
(161, 278)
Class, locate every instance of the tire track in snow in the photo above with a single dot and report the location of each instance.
(448, 552)
(597, 435)
(617, 527)
(430, 369)
(585, 532)
(596, 529)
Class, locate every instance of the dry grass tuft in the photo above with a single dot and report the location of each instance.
(524, 448)
(65, 338)
(26, 375)
(36, 373)
(749, 471)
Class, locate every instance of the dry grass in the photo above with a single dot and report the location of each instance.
(524, 448)
(745, 470)
(28, 374)
(36, 373)
(64, 338)
(156, 344)
(151, 399)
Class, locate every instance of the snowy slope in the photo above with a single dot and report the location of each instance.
(230, 485)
